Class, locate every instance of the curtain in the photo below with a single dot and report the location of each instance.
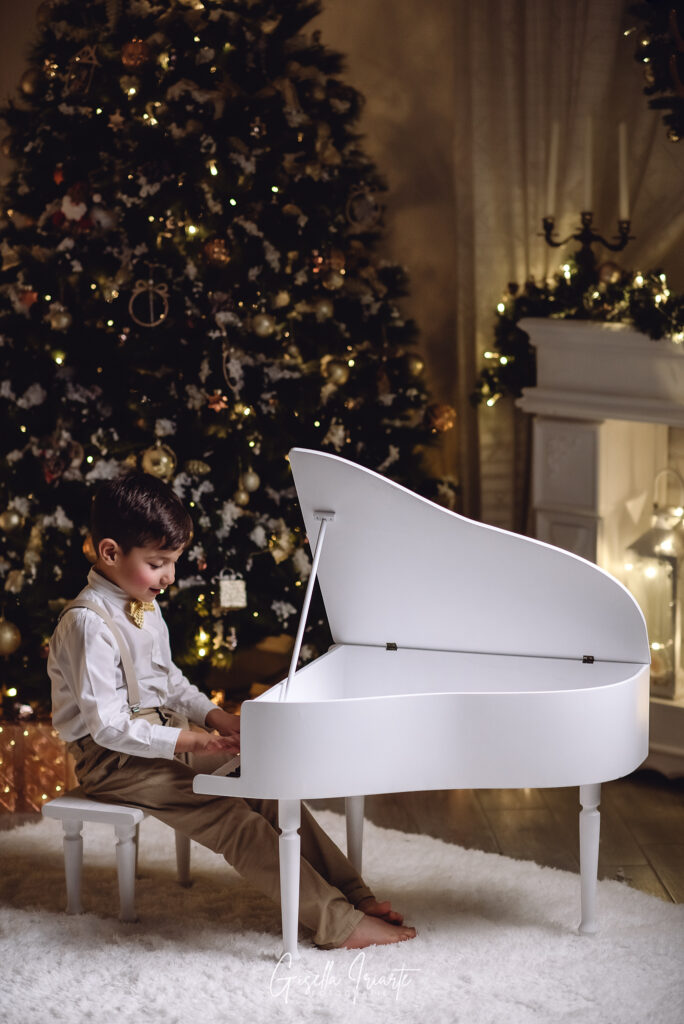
(460, 99)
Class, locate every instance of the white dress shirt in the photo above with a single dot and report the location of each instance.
(89, 694)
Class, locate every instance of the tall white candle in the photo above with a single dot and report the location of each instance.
(588, 161)
(622, 174)
(553, 170)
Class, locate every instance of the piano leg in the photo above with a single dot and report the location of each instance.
(589, 823)
(289, 848)
(353, 806)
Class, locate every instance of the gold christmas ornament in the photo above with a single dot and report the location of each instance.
(241, 497)
(263, 325)
(216, 252)
(673, 135)
(280, 299)
(197, 468)
(89, 549)
(10, 637)
(415, 365)
(362, 210)
(31, 82)
(135, 54)
(440, 417)
(80, 71)
(149, 303)
(251, 480)
(159, 461)
(10, 520)
(609, 272)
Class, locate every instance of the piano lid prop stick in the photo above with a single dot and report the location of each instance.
(325, 518)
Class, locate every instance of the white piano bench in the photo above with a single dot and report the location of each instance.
(73, 809)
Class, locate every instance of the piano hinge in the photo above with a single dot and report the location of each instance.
(390, 647)
(587, 659)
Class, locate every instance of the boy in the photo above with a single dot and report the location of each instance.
(135, 756)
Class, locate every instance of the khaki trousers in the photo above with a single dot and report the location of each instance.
(244, 832)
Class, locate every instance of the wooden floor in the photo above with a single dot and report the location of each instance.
(642, 826)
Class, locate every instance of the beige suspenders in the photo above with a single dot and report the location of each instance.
(126, 661)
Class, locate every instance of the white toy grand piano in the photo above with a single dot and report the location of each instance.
(464, 657)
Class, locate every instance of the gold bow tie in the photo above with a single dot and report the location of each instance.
(136, 610)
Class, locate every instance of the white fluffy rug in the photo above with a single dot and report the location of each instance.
(497, 942)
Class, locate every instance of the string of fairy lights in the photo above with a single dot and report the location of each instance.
(642, 300)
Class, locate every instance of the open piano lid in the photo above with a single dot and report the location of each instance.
(397, 568)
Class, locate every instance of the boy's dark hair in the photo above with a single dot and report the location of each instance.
(138, 509)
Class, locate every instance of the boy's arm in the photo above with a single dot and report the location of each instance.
(183, 695)
(85, 661)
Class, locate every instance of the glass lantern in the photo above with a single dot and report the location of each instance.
(652, 573)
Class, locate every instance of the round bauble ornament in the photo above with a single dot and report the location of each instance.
(10, 637)
(241, 497)
(280, 299)
(31, 82)
(440, 417)
(263, 325)
(414, 365)
(609, 273)
(337, 371)
(129, 84)
(362, 210)
(135, 54)
(333, 281)
(673, 135)
(10, 520)
(89, 549)
(59, 318)
(216, 252)
(159, 461)
(250, 480)
(323, 308)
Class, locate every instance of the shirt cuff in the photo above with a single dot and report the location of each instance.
(164, 739)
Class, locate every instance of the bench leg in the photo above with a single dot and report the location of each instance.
(589, 824)
(353, 806)
(183, 859)
(73, 864)
(289, 849)
(125, 866)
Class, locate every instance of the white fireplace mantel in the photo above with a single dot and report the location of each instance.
(605, 397)
(591, 370)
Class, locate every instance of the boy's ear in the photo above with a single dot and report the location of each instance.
(108, 550)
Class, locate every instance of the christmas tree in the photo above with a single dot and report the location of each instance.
(191, 284)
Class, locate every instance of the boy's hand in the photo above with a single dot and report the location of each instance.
(197, 742)
(225, 724)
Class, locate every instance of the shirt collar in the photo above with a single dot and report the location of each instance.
(105, 586)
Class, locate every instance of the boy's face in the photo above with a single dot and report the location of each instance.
(142, 572)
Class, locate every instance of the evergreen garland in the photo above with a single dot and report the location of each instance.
(609, 294)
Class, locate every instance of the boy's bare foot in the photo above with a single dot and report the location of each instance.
(383, 909)
(373, 931)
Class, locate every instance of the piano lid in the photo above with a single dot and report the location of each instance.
(397, 568)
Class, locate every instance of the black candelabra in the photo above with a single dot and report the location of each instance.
(586, 261)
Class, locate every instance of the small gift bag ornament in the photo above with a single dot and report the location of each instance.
(232, 593)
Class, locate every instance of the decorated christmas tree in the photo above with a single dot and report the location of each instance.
(191, 285)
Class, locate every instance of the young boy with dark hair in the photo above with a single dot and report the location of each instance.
(137, 754)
